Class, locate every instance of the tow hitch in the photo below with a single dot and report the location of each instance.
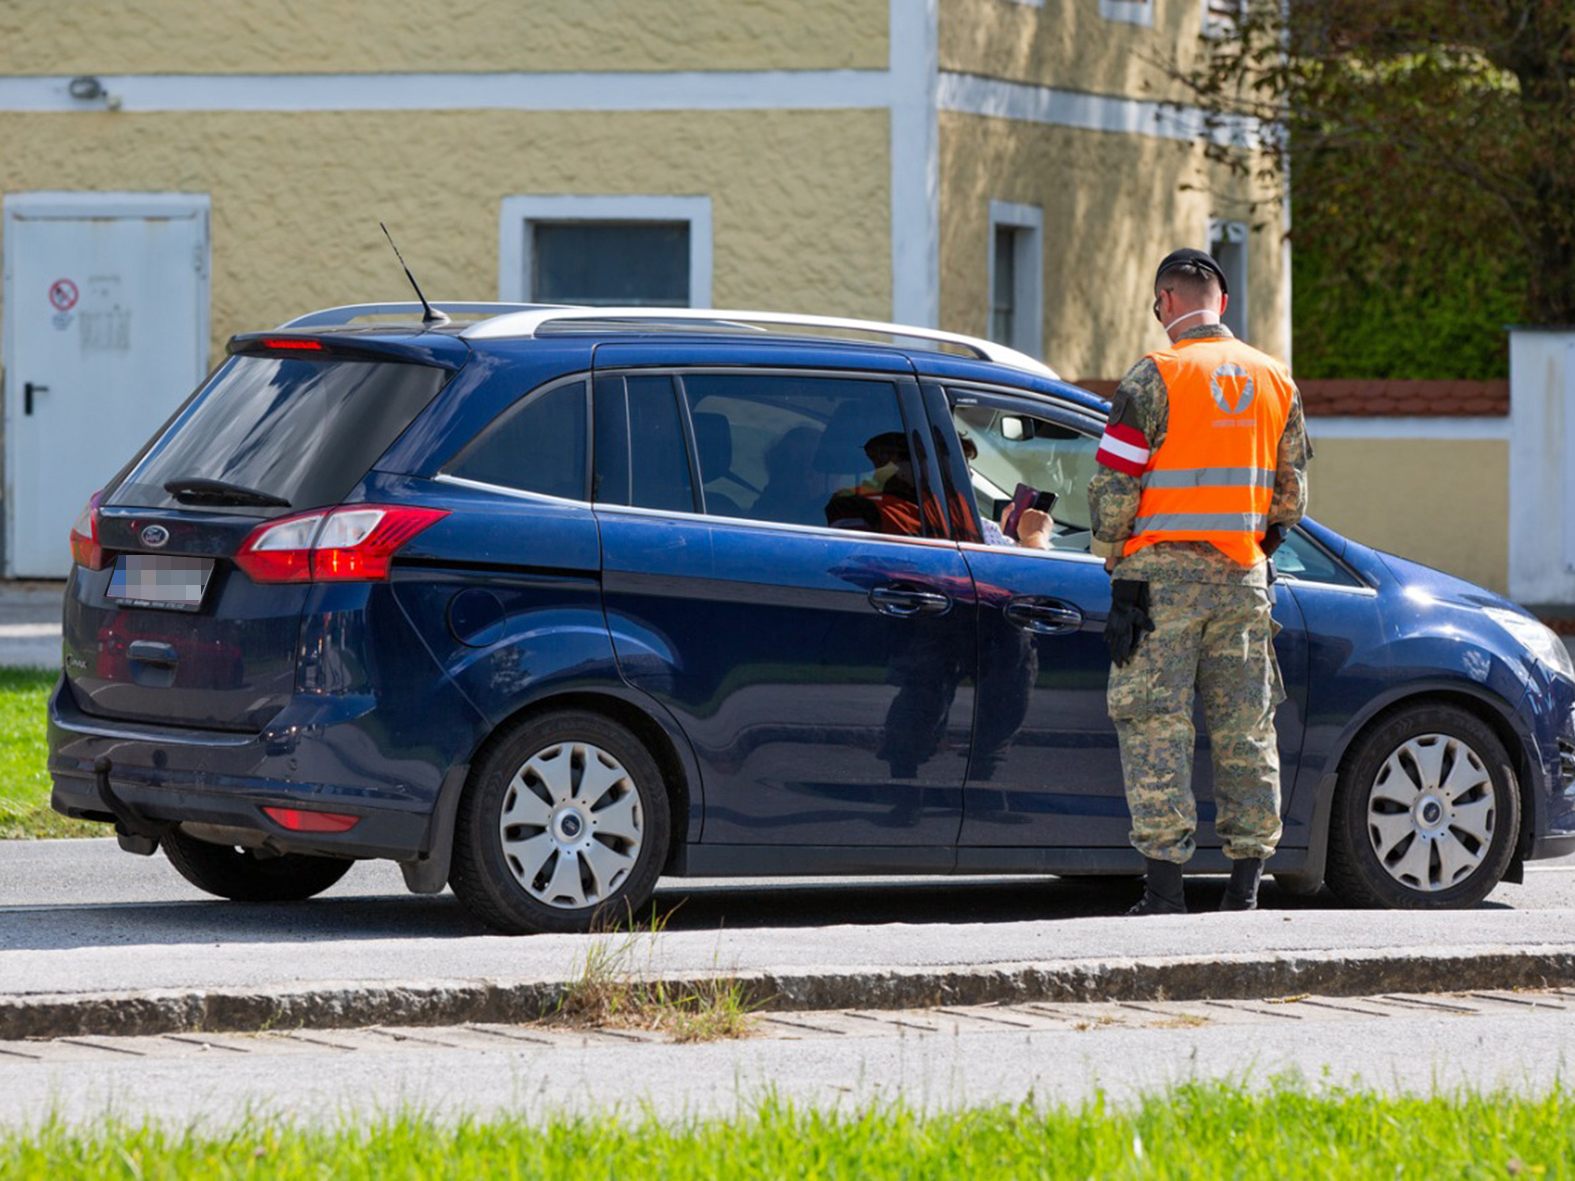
(134, 832)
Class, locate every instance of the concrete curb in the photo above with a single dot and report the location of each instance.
(348, 1004)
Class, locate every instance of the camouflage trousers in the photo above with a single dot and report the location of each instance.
(1215, 640)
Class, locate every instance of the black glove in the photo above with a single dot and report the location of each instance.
(1272, 540)
(1129, 619)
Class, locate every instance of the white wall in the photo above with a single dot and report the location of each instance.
(1542, 465)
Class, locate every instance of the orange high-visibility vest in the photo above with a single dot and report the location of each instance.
(1212, 479)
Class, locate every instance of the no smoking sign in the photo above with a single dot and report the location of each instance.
(63, 295)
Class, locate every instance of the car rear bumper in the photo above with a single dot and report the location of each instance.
(315, 756)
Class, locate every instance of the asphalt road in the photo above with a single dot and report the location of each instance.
(30, 624)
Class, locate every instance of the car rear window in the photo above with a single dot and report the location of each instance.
(304, 431)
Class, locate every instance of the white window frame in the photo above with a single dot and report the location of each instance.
(1217, 28)
(518, 215)
(1237, 233)
(1028, 222)
(1131, 12)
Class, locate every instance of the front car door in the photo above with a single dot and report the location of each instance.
(776, 573)
(1046, 767)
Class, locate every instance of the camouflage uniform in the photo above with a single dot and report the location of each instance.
(1212, 633)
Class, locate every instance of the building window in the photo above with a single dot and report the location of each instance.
(606, 251)
(1228, 245)
(1016, 276)
(1132, 12)
(1220, 17)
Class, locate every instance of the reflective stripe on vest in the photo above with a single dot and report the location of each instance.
(1212, 479)
(1202, 523)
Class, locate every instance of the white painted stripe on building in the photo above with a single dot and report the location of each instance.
(631, 91)
(1357, 427)
(915, 163)
(914, 77)
(972, 94)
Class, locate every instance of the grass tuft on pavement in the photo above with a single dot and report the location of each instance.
(611, 990)
(24, 781)
(1203, 1130)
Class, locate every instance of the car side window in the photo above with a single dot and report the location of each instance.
(1304, 559)
(641, 459)
(804, 450)
(538, 445)
(1007, 446)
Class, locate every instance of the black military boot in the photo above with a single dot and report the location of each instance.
(1242, 893)
(1162, 890)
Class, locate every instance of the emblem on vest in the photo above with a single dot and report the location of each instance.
(1231, 388)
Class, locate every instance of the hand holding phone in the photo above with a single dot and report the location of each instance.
(1026, 497)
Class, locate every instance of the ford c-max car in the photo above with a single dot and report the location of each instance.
(543, 603)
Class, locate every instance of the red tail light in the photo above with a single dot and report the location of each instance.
(356, 543)
(294, 344)
(301, 820)
(85, 549)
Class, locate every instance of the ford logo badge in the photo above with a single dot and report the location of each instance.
(155, 536)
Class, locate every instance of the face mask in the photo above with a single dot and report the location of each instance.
(1189, 315)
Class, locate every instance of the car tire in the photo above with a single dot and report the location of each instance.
(1426, 813)
(565, 823)
(242, 876)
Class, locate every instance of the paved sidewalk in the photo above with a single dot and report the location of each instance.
(929, 1059)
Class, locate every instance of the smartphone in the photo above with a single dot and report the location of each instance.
(1026, 497)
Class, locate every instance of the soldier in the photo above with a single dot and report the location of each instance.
(1203, 469)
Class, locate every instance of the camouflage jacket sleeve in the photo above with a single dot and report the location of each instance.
(1290, 475)
(1138, 417)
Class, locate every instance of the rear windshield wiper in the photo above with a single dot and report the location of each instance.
(197, 490)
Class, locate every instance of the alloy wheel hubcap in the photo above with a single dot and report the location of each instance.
(1430, 813)
(571, 825)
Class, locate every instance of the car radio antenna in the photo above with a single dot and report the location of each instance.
(430, 316)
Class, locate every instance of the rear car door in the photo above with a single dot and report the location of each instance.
(1046, 767)
(776, 572)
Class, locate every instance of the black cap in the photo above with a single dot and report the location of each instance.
(1197, 258)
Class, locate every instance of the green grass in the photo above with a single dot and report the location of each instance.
(1202, 1130)
(24, 783)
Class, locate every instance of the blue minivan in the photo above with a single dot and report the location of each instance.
(543, 603)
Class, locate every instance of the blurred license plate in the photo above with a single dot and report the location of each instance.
(157, 580)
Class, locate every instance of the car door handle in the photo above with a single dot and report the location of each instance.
(902, 603)
(1044, 619)
(29, 388)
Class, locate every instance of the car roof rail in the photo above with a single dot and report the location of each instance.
(342, 317)
(529, 322)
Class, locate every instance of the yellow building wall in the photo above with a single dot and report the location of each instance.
(1068, 45)
(1113, 206)
(1442, 502)
(800, 200)
(363, 36)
